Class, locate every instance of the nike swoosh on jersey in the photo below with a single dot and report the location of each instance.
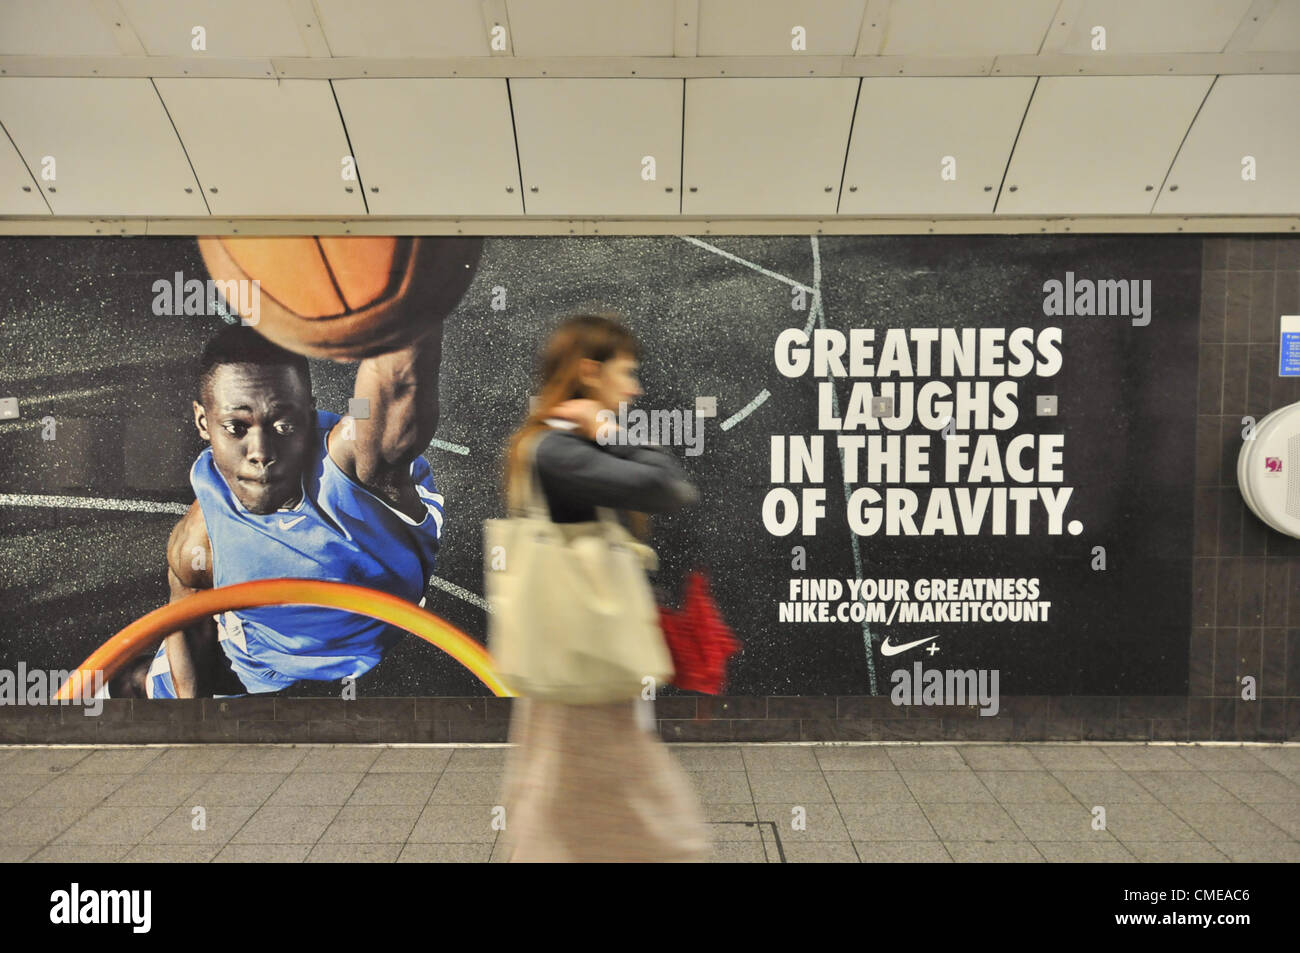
(290, 524)
(887, 649)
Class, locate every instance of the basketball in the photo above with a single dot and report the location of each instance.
(344, 298)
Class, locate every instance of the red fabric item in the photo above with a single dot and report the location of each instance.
(698, 639)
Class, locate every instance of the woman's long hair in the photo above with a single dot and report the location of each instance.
(599, 336)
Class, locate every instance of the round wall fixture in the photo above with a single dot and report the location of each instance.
(1268, 470)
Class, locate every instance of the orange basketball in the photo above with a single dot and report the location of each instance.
(344, 298)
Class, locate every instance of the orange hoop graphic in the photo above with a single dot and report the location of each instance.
(148, 631)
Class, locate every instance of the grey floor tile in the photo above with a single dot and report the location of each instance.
(765, 760)
(954, 822)
(394, 788)
(262, 854)
(821, 822)
(794, 787)
(199, 759)
(892, 822)
(455, 824)
(341, 759)
(324, 853)
(213, 827)
(1026, 786)
(315, 789)
(1145, 757)
(413, 760)
(1094, 788)
(1258, 787)
(819, 852)
(26, 824)
(491, 760)
(946, 787)
(1176, 852)
(1228, 822)
(79, 854)
(116, 761)
(246, 789)
(1055, 822)
(15, 787)
(902, 852)
(1285, 816)
(1261, 852)
(265, 759)
(731, 831)
(717, 813)
(17, 853)
(45, 761)
(1215, 758)
(1283, 758)
(445, 853)
(159, 788)
(467, 787)
(1147, 822)
(1083, 852)
(708, 758)
(871, 787)
(114, 825)
(721, 787)
(76, 790)
(926, 758)
(1183, 786)
(285, 825)
(1072, 758)
(855, 758)
(999, 758)
(170, 854)
(739, 852)
(997, 852)
(368, 824)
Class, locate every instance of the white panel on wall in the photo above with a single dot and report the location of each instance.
(232, 28)
(54, 28)
(766, 146)
(18, 194)
(1152, 26)
(262, 147)
(433, 146)
(592, 27)
(909, 132)
(766, 27)
(583, 145)
(962, 28)
(404, 28)
(1099, 145)
(1280, 31)
(114, 151)
(1244, 116)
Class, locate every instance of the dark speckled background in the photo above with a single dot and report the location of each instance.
(81, 343)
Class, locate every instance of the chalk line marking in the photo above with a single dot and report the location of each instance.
(473, 598)
(745, 411)
(453, 447)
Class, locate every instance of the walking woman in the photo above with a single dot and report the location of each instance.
(590, 782)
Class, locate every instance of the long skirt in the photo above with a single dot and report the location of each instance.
(588, 783)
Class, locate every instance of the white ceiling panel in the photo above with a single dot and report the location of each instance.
(404, 28)
(18, 194)
(1280, 31)
(766, 146)
(433, 146)
(591, 27)
(583, 144)
(1099, 145)
(904, 131)
(54, 28)
(114, 151)
(954, 28)
(232, 28)
(766, 27)
(1244, 116)
(1151, 26)
(262, 147)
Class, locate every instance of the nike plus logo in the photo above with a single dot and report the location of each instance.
(887, 649)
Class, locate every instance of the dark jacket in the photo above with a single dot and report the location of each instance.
(577, 475)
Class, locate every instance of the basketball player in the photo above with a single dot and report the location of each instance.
(288, 491)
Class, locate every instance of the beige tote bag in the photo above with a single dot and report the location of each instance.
(572, 617)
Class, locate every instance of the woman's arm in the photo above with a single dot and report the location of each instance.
(576, 471)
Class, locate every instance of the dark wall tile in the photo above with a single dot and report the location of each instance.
(1214, 305)
(1200, 673)
(1120, 729)
(1263, 320)
(1236, 327)
(1263, 253)
(1236, 367)
(438, 709)
(765, 729)
(478, 731)
(864, 706)
(695, 730)
(1170, 729)
(273, 732)
(258, 708)
(1205, 574)
(1225, 663)
(1277, 580)
(1223, 721)
(1253, 578)
(1272, 719)
(1259, 385)
(1214, 253)
(1209, 379)
(1209, 450)
(1228, 593)
(1153, 706)
(836, 729)
(801, 707)
(1239, 253)
(1231, 511)
(343, 731)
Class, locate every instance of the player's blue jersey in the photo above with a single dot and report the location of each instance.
(339, 532)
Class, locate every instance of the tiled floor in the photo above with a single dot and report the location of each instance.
(766, 803)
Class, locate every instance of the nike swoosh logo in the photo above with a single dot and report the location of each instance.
(887, 649)
(290, 524)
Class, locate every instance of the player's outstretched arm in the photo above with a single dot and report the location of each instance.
(191, 652)
(401, 394)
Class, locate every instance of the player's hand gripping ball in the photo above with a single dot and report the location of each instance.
(344, 298)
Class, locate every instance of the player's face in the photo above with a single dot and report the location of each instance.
(616, 382)
(261, 424)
